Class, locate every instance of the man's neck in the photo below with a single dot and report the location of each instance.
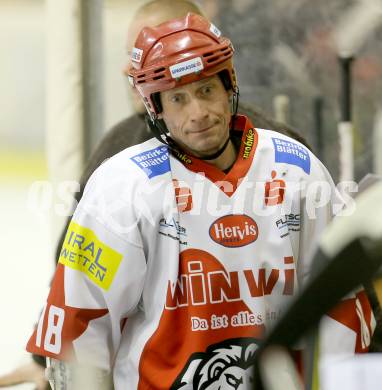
(226, 159)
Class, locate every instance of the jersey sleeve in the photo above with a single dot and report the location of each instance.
(348, 327)
(97, 284)
(320, 201)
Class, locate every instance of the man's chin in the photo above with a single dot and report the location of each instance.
(203, 148)
(205, 152)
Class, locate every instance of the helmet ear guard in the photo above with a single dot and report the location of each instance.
(226, 80)
(235, 101)
(159, 129)
(155, 98)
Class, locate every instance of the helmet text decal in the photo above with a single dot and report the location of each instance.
(215, 30)
(186, 67)
(136, 54)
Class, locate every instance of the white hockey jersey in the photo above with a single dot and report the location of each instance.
(172, 270)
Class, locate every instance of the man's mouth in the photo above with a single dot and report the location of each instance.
(202, 130)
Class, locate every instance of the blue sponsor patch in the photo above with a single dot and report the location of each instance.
(291, 153)
(153, 162)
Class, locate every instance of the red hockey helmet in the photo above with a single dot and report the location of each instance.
(178, 52)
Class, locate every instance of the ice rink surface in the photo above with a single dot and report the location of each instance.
(26, 269)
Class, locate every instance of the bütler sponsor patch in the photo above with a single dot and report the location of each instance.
(291, 153)
(153, 162)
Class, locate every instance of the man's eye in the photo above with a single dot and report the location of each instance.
(207, 89)
(176, 99)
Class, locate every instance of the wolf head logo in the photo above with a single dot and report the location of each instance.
(226, 365)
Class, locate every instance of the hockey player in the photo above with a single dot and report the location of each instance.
(131, 131)
(186, 248)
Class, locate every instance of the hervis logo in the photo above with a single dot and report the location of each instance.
(234, 230)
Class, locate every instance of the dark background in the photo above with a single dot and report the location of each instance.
(259, 29)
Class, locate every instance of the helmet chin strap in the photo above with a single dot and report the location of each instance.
(160, 131)
(215, 155)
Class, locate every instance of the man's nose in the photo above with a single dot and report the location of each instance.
(198, 110)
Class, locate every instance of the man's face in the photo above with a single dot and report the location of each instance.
(198, 115)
